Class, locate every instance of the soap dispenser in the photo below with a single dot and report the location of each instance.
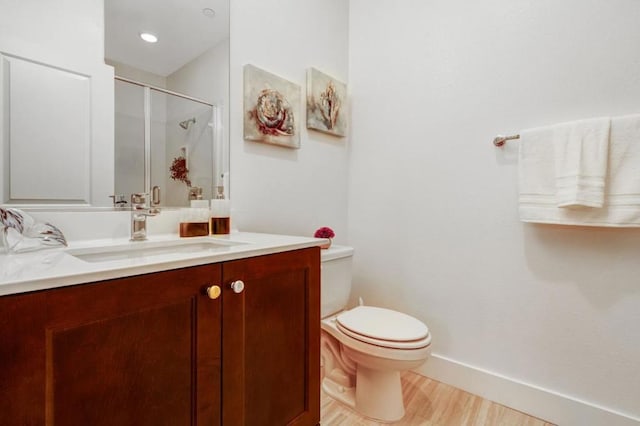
(220, 223)
(194, 220)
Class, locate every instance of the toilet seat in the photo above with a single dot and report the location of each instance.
(384, 327)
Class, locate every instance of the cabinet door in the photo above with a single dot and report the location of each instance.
(22, 366)
(271, 339)
(137, 351)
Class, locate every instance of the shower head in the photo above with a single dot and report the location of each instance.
(186, 123)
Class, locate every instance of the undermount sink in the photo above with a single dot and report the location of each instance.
(145, 249)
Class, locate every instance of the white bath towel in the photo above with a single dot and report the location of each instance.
(581, 150)
(536, 167)
(537, 186)
(623, 192)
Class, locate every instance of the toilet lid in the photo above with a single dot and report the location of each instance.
(383, 327)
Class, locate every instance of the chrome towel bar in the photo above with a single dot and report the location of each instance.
(500, 140)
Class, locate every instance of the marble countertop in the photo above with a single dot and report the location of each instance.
(52, 268)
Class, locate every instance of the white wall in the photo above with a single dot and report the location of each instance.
(276, 189)
(433, 209)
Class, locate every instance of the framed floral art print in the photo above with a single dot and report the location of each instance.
(271, 108)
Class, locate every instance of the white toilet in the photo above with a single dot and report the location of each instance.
(363, 350)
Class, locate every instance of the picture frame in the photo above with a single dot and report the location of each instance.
(271, 108)
(326, 103)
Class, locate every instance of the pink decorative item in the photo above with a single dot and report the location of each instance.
(325, 232)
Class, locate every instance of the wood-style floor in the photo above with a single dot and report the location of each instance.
(431, 403)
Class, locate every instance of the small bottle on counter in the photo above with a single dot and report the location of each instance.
(194, 220)
(220, 223)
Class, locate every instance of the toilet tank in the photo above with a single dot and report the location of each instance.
(335, 279)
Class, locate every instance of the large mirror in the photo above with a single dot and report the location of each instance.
(171, 97)
(68, 142)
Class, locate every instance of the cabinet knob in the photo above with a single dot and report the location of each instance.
(237, 286)
(213, 292)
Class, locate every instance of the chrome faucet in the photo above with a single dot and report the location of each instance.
(139, 213)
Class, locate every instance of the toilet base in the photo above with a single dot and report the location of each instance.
(377, 394)
(346, 396)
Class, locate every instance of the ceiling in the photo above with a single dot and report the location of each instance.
(183, 31)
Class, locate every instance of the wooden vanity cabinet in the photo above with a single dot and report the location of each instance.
(143, 350)
(155, 349)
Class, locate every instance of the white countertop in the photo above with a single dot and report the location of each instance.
(52, 268)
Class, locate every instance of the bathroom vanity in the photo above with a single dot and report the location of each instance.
(208, 339)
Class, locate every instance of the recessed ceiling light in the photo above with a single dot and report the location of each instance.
(148, 37)
(208, 12)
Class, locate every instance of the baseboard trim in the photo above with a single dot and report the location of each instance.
(551, 406)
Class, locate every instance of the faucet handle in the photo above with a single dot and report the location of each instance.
(118, 200)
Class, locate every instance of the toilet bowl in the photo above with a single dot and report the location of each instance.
(364, 349)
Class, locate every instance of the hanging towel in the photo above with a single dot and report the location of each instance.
(537, 186)
(580, 152)
(536, 171)
(624, 164)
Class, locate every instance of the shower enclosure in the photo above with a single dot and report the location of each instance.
(167, 144)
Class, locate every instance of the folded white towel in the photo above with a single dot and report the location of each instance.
(537, 186)
(581, 151)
